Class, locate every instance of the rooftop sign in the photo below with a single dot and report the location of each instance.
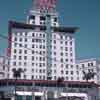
(45, 4)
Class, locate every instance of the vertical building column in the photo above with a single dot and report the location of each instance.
(49, 43)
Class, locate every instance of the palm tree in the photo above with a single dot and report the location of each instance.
(16, 75)
(88, 76)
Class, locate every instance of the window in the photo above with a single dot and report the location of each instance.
(71, 54)
(32, 64)
(71, 60)
(33, 52)
(54, 71)
(66, 42)
(43, 58)
(14, 63)
(20, 45)
(15, 51)
(33, 40)
(70, 48)
(54, 41)
(40, 46)
(25, 64)
(43, 77)
(77, 66)
(32, 57)
(71, 72)
(43, 52)
(20, 57)
(32, 70)
(77, 78)
(62, 65)
(66, 60)
(61, 48)
(54, 53)
(40, 77)
(55, 65)
(44, 64)
(15, 44)
(20, 63)
(83, 65)
(40, 71)
(54, 47)
(66, 48)
(33, 46)
(62, 71)
(61, 42)
(61, 60)
(20, 51)
(32, 17)
(55, 19)
(40, 65)
(44, 35)
(32, 77)
(25, 34)
(14, 56)
(66, 72)
(66, 37)
(77, 72)
(71, 78)
(25, 51)
(25, 39)
(42, 18)
(71, 66)
(15, 39)
(55, 77)
(71, 43)
(91, 64)
(43, 47)
(25, 45)
(67, 66)
(43, 70)
(66, 54)
(20, 39)
(3, 67)
(24, 76)
(61, 37)
(66, 78)
(25, 57)
(40, 58)
(70, 37)
(54, 36)
(33, 34)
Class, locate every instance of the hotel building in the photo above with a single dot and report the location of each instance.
(41, 47)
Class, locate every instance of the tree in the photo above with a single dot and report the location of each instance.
(60, 81)
(89, 75)
(17, 73)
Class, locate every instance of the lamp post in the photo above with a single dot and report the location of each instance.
(16, 75)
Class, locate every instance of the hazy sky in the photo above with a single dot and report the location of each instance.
(84, 14)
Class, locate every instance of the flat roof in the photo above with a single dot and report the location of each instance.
(13, 24)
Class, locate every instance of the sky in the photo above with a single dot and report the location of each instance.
(84, 14)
